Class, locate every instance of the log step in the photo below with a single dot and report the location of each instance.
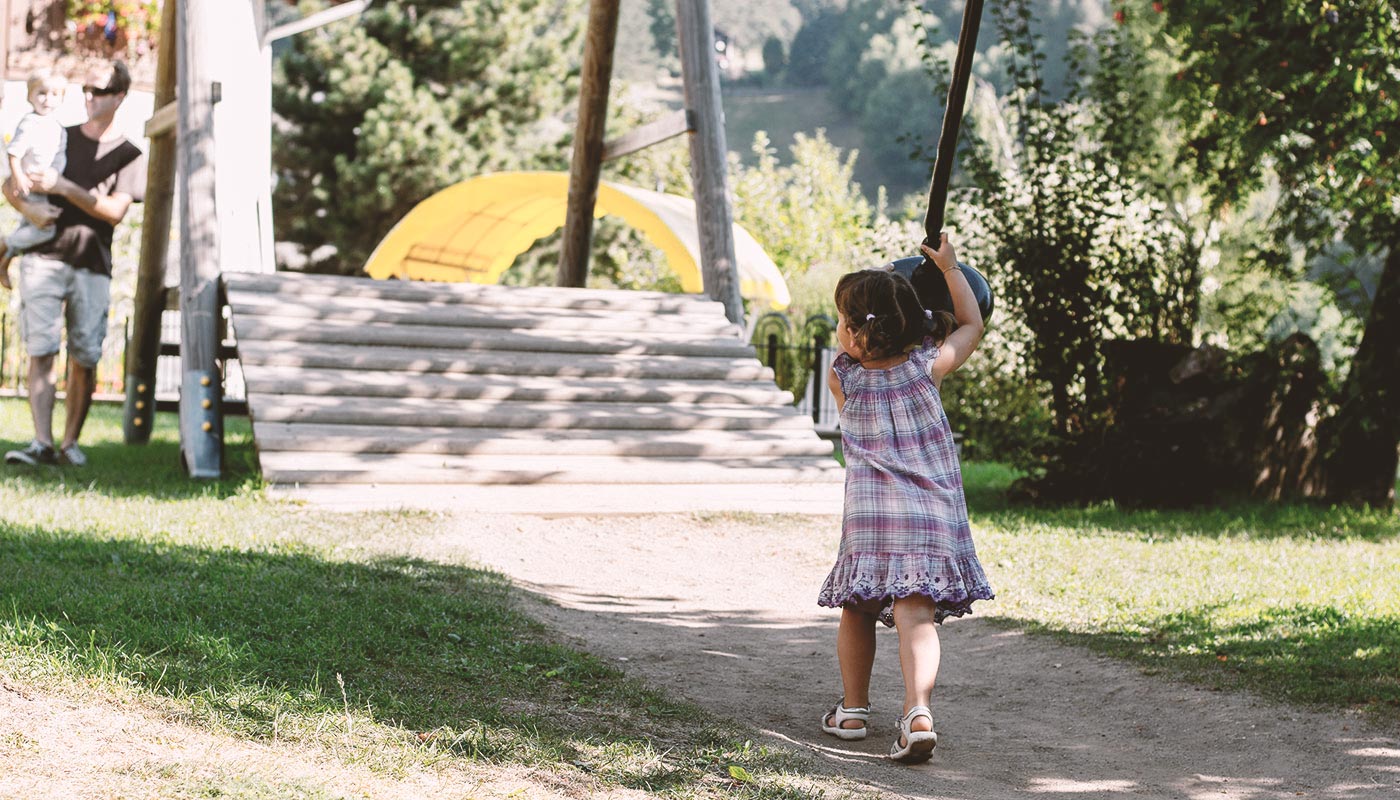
(415, 361)
(330, 382)
(275, 436)
(379, 335)
(582, 498)
(361, 310)
(414, 411)
(298, 287)
(419, 468)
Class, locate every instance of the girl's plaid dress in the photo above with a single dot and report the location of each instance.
(905, 529)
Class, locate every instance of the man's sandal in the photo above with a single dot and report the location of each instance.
(914, 747)
(833, 721)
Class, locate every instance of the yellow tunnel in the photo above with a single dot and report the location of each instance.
(474, 230)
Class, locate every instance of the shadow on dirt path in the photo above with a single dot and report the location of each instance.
(722, 611)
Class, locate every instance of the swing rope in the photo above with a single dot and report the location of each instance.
(952, 121)
(928, 282)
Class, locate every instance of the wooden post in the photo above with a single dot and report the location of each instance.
(588, 141)
(708, 153)
(143, 349)
(201, 387)
(5, 44)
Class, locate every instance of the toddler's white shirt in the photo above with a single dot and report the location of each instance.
(40, 143)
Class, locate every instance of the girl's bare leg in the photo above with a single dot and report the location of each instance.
(855, 650)
(919, 652)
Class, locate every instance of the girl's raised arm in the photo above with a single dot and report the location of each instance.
(833, 381)
(961, 342)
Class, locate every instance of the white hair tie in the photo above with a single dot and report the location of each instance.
(869, 317)
(928, 314)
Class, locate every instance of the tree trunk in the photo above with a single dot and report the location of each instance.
(1361, 443)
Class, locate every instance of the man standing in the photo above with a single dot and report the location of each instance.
(69, 278)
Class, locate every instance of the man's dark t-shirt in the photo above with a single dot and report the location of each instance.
(111, 167)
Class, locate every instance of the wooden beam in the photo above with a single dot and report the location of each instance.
(317, 20)
(644, 136)
(142, 350)
(708, 154)
(201, 422)
(164, 119)
(586, 168)
(8, 10)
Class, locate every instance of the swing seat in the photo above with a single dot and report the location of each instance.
(932, 289)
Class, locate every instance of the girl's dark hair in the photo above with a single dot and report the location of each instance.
(899, 320)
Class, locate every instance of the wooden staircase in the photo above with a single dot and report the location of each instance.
(371, 393)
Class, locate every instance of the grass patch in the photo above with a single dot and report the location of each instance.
(267, 621)
(1299, 603)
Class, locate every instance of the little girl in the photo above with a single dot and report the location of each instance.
(906, 554)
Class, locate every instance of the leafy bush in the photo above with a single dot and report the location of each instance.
(1083, 249)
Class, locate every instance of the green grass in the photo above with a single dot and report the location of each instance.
(1298, 603)
(265, 620)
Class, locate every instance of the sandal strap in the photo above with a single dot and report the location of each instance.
(916, 711)
(839, 713)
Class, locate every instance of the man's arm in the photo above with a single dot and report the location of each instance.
(41, 214)
(22, 182)
(109, 208)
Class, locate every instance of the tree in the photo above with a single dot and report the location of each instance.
(663, 28)
(1085, 251)
(807, 57)
(378, 113)
(1309, 94)
(774, 58)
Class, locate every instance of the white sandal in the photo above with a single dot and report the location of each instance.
(917, 746)
(833, 720)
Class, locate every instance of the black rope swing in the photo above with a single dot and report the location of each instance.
(928, 282)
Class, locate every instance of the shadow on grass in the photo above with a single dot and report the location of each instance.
(1313, 655)
(257, 643)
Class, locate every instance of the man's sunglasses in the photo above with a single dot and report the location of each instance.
(100, 91)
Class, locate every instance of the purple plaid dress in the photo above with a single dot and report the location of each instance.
(905, 529)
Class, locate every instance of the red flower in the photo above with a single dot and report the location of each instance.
(1120, 16)
(1158, 7)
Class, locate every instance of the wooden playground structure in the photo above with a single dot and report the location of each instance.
(355, 384)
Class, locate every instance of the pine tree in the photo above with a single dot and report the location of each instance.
(379, 112)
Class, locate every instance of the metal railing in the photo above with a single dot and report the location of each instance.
(800, 357)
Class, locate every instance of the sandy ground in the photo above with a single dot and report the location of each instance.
(721, 610)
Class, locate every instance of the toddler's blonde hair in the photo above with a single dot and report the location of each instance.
(44, 76)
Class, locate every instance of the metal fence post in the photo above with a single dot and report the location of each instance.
(817, 347)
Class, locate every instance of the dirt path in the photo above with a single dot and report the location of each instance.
(722, 611)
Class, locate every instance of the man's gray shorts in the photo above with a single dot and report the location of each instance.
(52, 293)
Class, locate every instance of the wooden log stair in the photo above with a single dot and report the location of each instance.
(367, 393)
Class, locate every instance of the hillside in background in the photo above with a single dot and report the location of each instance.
(855, 74)
(748, 23)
